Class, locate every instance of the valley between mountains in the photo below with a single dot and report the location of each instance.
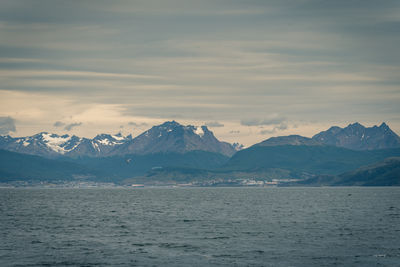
(175, 154)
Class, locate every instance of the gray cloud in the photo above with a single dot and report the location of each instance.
(268, 131)
(273, 120)
(69, 127)
(213, 124)
(280, 127)
(58, 124)
(7, 125)
(135, 124)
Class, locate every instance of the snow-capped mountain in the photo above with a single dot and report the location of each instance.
(53, 145)
(357, 137)
(174, 137)
(100, 146)
(41, 144)
(165, 138)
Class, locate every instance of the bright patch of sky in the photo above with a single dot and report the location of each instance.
(254, 68)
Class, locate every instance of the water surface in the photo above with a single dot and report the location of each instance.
(350, 226)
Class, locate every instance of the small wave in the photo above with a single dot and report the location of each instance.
(189, 220)
(185, 247)
(217, 237)
(142, 244)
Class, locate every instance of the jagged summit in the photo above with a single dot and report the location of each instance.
(384, 126)
(356, 136)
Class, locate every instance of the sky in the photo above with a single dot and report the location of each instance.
(248, 69)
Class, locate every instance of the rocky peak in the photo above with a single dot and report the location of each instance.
(384, 126)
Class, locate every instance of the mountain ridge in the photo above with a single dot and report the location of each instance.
(294, 140)
(167, 137)
(177, 138)
(357, 137)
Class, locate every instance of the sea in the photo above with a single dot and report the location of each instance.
(325, 226)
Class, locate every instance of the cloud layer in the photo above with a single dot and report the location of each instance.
(232, 63)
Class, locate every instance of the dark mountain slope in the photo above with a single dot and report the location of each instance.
(294, 140)
(117, 168)
(17, 166)
(384, 173)
(316, 159)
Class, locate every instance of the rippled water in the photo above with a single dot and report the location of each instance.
(200, 227)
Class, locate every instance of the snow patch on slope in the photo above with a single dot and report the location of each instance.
(118, 137)
(105, 142)
(95, 146)
(199, 131)
(55, 142)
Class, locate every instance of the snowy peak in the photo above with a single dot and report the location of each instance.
(42, 144)
(53, 145)
(111, 140)
(356, 136)
(53, 142)
(199, 131)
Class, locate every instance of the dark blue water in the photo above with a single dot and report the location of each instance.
(200, 227)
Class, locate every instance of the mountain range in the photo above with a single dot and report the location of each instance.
(168, 137)
(53, 145)
(189, 153)
(357, 137)
(172, 137)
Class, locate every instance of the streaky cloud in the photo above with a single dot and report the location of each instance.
(58, 124)
(214, 124)
(69, 127)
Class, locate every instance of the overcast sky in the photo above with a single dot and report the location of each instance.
(247, 69)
